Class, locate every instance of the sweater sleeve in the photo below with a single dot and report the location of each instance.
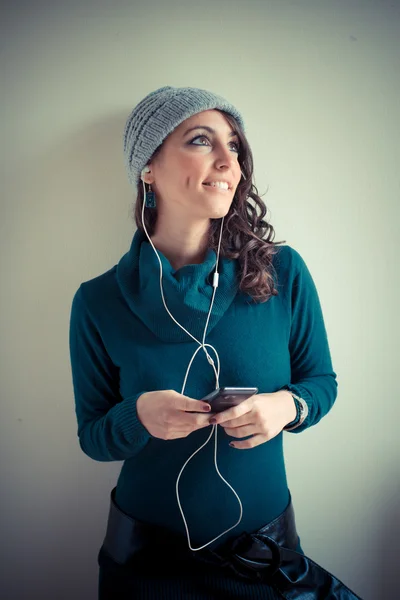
(108, 425)
(312, 375)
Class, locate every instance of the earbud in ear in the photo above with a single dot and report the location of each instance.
(145, 169)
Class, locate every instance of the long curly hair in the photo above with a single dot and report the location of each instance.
(246, 235)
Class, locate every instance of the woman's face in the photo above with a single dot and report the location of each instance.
(187, 159)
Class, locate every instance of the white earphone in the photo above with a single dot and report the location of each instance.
(146, 169)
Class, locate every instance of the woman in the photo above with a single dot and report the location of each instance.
(201, 508)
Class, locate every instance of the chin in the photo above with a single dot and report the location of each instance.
(219, 208)
(218, 213)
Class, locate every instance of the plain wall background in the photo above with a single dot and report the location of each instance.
(318, 85)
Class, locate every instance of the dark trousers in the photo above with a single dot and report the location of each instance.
(139, 560)
(184, 577)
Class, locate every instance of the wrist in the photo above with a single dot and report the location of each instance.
(289, 406)
(139, 406)
(301, 412)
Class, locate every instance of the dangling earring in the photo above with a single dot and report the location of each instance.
(150, 200)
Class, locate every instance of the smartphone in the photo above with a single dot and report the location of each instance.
(225, 397)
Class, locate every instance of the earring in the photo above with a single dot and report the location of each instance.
(150, 200)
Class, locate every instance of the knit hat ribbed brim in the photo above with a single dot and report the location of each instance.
(157, 115)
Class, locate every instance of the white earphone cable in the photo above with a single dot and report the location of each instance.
(202, 345)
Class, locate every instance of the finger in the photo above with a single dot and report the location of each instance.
(232, 413)
(241, 432)
(194, 424)
(201, 421)
(183, 431)
(256, 440)
(246, 419)
(187, 404)
(192, 420)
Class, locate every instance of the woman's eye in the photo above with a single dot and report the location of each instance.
(206, 138)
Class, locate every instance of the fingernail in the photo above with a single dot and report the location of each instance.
(213, 420)
(207, 408)
(232, 445)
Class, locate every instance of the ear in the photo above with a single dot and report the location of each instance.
(147, 174)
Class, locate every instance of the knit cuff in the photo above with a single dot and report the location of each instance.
(128, 427)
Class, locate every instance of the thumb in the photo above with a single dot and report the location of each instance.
(187, 404)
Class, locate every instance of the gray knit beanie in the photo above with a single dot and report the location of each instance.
(157, 115)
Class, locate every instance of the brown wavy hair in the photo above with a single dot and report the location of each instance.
(246, 235)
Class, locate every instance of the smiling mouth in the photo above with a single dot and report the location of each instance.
(215, 187)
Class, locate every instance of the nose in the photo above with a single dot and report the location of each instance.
(225, 157)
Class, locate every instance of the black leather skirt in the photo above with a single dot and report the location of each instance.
(268, 563)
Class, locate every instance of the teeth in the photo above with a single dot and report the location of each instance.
(220, 184)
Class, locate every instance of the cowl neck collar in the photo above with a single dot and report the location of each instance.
(187, 290)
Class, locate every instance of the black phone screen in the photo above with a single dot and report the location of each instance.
(226, 397)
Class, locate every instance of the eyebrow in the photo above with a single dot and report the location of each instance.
(209, 129)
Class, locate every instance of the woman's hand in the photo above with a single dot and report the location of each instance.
(168, 415)
(263, 416)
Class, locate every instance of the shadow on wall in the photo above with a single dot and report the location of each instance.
(387, 549)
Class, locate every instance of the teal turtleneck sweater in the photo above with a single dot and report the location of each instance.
(123, 343)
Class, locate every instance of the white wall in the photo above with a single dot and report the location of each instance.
(318, 85)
